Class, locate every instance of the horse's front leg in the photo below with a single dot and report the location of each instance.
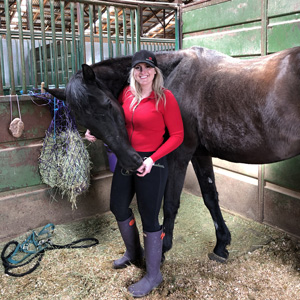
(204, 171)
(178, 162)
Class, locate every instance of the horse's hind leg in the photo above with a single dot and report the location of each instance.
(204, 171)
(177, 171)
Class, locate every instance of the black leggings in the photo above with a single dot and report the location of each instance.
(149, 192)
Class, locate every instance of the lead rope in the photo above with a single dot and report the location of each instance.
(34, 248)
(16, 126)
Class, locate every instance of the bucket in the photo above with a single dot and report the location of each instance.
(112, 159)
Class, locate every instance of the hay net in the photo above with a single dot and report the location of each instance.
(64, 162)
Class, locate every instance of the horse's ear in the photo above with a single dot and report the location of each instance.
(58, 93)
(88, 73)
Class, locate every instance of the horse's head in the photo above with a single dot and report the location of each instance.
(96, 108)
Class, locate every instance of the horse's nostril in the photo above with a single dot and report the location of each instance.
(138, 159)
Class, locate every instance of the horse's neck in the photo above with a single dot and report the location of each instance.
(168, 61)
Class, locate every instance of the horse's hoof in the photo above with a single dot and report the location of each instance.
(215, 257)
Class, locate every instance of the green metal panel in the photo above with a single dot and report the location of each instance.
(223, 14)
(281, 7)
(234, 40)
(18, 167)
(283, 32)
(285, 173)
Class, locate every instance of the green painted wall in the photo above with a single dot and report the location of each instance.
(243, 27)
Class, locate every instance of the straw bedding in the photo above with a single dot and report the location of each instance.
(264, 264)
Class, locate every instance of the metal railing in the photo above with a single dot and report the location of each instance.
(42, 49)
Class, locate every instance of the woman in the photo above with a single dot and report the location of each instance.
(149, 110)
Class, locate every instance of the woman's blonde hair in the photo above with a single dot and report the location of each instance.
(157, 86)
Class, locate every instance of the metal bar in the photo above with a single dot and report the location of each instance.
(2, 61)
(51, 63)
(68, 60)
(1, 83)
(55, 53)
(9, 48)
(37, 35)
(117, 32)
(17, 60)
(73, 46)
(60, 59)
(100, 32)
(264, 27)
(92, 33)
(64, 55)
(137, 29)
(33, 53)
(78, 53)
(261, 189)
(41, 62)
(29, 63)
(106, 3)
(143, 3)
(44, 43)
(21, 47)
(177, 28)
(132, 31)
(124, 32)
(110, 50)
(81, 32)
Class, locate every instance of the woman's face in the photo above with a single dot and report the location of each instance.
(144, 74)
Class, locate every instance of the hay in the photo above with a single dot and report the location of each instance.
(264, 263)
(64, 162)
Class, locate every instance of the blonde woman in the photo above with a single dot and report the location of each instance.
(149, 109)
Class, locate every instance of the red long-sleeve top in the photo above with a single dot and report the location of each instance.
(146, 125)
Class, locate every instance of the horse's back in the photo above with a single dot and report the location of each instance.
(243, 110)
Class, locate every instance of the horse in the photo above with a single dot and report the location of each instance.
(243, 111)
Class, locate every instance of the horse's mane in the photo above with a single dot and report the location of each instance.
(108, 62)
(76, 91)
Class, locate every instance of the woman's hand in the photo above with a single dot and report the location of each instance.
(90, 137)
(145, 168)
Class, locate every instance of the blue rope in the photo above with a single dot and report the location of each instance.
(54, 119)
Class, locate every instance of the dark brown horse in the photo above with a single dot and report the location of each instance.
(245, 111)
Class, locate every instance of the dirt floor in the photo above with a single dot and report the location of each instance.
(263, 264)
